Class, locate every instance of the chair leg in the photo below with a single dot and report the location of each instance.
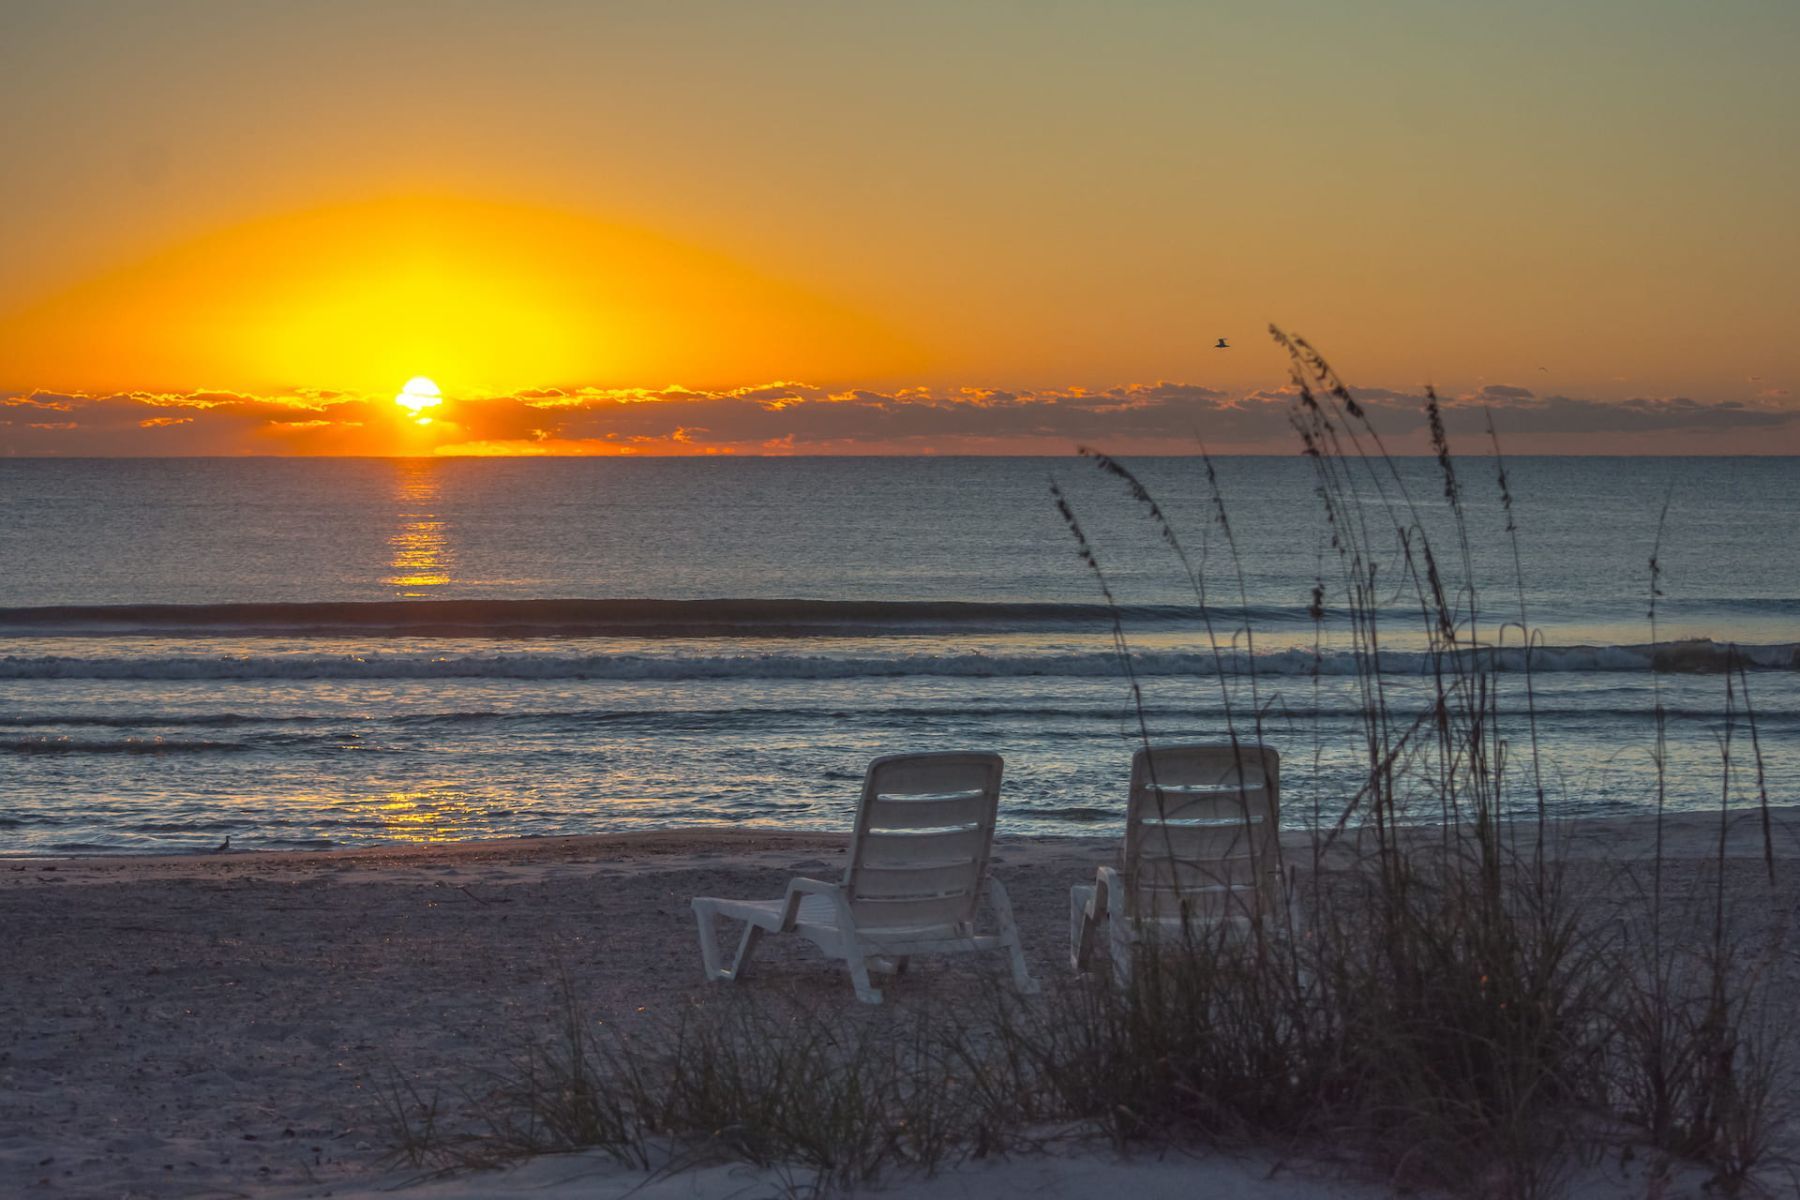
(1021, 974)
(709, 945)
(866, 991)
(1121, 951)
(1082, 920)
(746, 947)
(1001, 903)
(706, 917)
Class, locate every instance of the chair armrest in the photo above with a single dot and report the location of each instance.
(801, 887)
(1109, 888)
(1088, 910)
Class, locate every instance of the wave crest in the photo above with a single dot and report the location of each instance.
(1685, 657)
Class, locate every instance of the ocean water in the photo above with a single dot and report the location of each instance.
(316, 653)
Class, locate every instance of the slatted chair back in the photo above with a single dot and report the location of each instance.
(1202, 833)
(924, 831)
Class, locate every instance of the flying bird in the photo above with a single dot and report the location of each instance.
(1221, 344)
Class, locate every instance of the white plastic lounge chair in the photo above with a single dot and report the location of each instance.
(1201, 850)
(918, 870)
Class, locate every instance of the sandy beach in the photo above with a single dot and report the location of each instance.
(222, 1024)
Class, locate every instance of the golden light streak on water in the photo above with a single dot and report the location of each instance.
(426, 816)
(420, 558)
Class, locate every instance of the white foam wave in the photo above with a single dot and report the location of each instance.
(1674, 657)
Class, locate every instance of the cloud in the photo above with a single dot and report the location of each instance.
(193, 399)
(799, 418)
(1520, 413)
(1570, 414)
(199, 422)
(51, 403)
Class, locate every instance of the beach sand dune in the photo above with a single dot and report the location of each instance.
(216, 1024)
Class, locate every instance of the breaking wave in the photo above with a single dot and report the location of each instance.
(1685, 657)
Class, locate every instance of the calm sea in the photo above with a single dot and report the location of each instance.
(307, 653)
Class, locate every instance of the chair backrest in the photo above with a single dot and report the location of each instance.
(924, 830)
(1202, 833)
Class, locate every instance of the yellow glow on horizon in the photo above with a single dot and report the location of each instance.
(498, 297)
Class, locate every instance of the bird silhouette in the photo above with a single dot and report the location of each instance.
(224, 845)
(1221, 344)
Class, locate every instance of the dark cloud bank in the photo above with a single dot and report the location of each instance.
(798, 418)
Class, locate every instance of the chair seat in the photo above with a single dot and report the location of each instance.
(819, 914)
(816, 911)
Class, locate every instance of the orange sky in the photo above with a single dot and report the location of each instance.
(693, 228)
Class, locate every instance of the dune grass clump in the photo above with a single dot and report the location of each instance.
(827, 1103)
(568, 1091)
(1440, 997)
(843, 1100)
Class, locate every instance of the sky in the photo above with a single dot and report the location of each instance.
(242, 227)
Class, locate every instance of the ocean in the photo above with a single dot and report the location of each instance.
(314, 653)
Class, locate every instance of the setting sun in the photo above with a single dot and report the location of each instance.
(418, 395)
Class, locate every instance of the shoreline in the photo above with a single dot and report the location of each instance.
(1608, 836)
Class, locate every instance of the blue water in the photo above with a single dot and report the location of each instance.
(310, 653)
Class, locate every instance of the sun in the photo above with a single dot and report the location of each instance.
(418, 395)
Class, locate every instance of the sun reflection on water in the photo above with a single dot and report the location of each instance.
(428, 816)
(420, 556)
